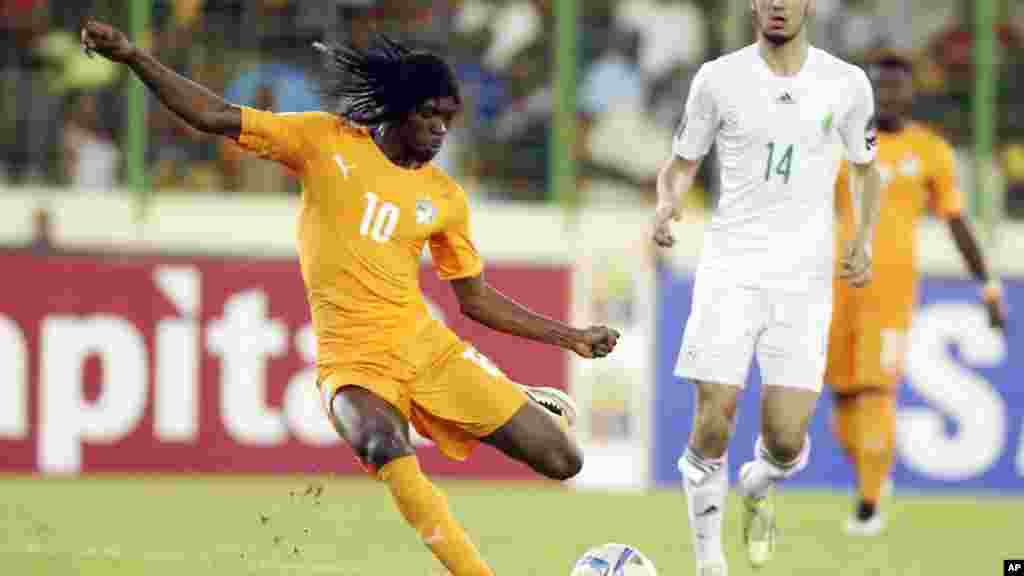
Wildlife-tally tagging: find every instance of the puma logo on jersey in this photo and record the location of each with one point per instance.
(344, 167)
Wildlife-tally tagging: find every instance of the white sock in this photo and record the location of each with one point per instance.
(758, 476)
(706, 483)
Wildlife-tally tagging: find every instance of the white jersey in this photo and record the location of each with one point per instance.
(778, 157)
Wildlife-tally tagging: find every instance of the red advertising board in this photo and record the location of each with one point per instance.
(203, 365)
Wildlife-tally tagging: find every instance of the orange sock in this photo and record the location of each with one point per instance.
(875, 442)
(425, 508)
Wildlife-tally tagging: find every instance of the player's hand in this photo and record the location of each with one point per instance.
(997, 314)
(664, 215)
(855, 266)
(107, 41)
(596, 342)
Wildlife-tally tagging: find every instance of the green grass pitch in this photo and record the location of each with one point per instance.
(227, 526)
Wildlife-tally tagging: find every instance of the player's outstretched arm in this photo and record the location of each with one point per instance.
(992, 293)
(196, 105)
(481, 302)
(866, 193)
(674, 180)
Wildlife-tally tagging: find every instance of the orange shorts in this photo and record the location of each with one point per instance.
(867, 343)
(454, 398)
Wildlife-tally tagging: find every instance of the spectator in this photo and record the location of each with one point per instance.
(618, 140)
(22, 24)
(246, 173)
(294, 90)
(673, 33)
(90, 157)
(1013, 163)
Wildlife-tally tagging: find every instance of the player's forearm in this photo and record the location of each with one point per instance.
(866, 188)
(674, 180)
(969, 248)
(499, 312)
(195, 104)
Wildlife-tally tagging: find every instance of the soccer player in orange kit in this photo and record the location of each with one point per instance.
(868, 336)
(371, 201)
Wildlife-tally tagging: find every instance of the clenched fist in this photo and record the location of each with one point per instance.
(596, 342)
(107, 41)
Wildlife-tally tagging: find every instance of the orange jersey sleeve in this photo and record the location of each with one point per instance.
(286, 138)
(452, 247)
(843, 188)
(944, 194)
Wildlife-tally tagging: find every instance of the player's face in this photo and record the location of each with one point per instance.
(425, 129)
(894, 89)
(779, 21)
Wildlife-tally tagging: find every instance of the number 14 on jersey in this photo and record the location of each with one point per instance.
(781, 167)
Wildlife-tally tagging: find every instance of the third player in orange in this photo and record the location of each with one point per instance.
(868, 337)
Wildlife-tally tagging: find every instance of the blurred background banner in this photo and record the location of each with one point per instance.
(145, 363)
(961, 418)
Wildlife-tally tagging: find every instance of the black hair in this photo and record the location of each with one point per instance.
(384, 82)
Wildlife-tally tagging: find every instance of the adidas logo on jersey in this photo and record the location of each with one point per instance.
(786, 98)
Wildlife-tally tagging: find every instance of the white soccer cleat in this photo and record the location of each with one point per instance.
(871, 527)
(713, 570)
(876, 524)
(758, 526)
(553, 400)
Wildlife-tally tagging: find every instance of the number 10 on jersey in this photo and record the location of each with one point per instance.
(379, 219)
(780, 168)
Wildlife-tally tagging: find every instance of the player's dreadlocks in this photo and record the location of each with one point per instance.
(385, 82)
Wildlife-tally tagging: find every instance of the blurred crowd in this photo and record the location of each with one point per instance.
(63, 113)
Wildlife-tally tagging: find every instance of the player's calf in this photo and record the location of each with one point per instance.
(715, 419)
(536, 439)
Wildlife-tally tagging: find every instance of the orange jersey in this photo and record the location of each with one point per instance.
(918, 172)
(362, 228)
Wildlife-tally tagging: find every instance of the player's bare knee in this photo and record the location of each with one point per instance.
(564, 463)
(784, 444)
(375, 447)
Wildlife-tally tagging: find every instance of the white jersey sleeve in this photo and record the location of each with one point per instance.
(699, 124)
(858, 128)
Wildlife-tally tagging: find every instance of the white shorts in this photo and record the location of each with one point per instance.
(729, 323)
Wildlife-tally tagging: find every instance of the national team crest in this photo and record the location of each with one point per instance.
(425, 211)
(910, 167)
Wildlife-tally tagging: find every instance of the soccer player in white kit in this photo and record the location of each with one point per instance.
(777, 110)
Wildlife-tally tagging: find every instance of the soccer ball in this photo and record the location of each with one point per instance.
(613, 560)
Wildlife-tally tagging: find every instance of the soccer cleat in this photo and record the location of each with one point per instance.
(713, 570)
(871, 527)
(553, 400)
(758, 527)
